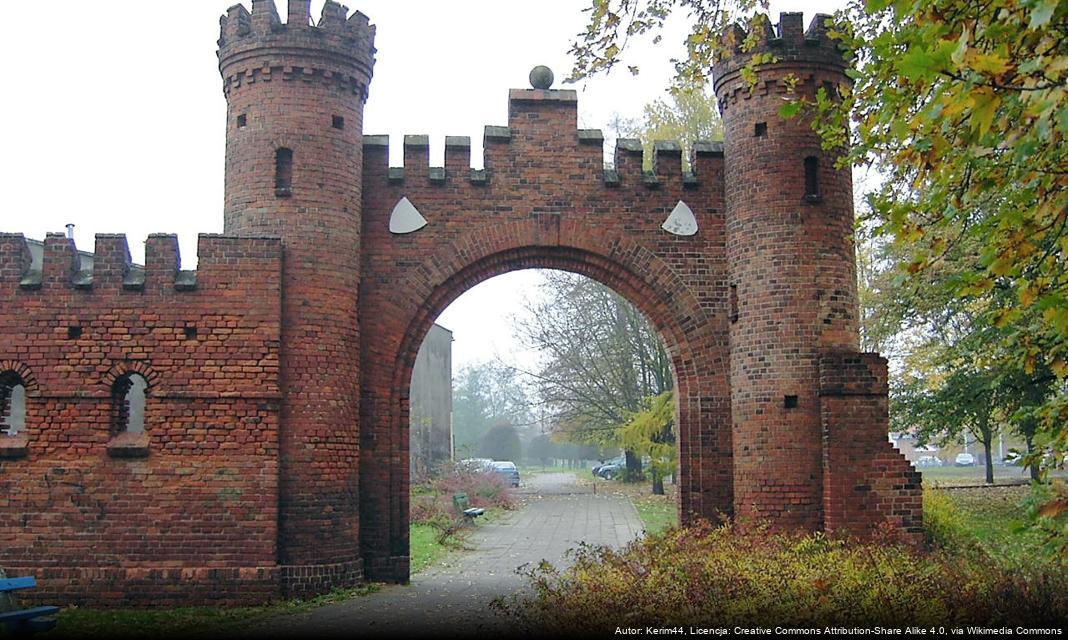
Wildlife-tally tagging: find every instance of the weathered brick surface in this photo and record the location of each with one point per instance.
(792, 263)
(869, 487)
(93, 526)
(791, 260)
(544, 203)
(275, 454)
(302, 88)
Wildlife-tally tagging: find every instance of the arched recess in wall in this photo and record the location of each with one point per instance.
(12, 403)
(812, 178)
(17, 383)
(128, 396)
(283, 172)
(129, 386)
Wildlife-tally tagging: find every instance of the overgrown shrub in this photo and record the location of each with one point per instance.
(431, 503)
(483, 488)
(428, 507)
(704, 575)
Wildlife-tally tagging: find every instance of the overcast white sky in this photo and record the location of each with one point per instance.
(114, 116)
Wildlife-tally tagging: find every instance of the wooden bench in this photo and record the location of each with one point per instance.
(464, 508)
(23, 622)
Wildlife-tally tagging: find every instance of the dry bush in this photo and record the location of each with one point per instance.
(719, 576)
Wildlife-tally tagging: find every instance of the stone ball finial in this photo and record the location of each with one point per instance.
(541, 77)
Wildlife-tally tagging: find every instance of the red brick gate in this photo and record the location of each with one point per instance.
(274, 457)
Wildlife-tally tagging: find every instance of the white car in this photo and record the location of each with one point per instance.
(476, 465)
(964, 460)
(928, 461)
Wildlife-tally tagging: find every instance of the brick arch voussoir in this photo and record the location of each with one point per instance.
(125, 368)
(629, 268)
(29, 380)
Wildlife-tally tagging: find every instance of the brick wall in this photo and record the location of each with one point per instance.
(869, 486)
(198, 497)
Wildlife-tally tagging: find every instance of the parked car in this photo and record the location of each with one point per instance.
(610, 468)
(1012, 458)
(507, 470)
(928, 461)
(476, 465)
(964, 460)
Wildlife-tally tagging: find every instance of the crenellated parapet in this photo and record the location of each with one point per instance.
(629, 153)
(56, 264)
(548, 132)
(788, 47)
(259, 47)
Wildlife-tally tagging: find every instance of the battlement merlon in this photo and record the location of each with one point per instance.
(706, 159)
(336, 44)
(789, 43)
(57, 264)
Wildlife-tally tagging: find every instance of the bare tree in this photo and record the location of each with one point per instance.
(600, 359)
(487, 395)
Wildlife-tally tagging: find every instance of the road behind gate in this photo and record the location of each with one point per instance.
(556, 515)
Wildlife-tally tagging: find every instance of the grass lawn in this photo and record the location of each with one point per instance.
(994, 517)
(425, 549)
(657, 512)
(183, 621)
(950, 475)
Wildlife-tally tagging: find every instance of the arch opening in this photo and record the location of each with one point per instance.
(128, 402)
(12, 403)
(541, 353)
(701, 404)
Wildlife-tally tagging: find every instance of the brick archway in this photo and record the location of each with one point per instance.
(284, 360)
(705, 476)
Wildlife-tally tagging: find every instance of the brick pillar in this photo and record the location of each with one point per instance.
(867, 483)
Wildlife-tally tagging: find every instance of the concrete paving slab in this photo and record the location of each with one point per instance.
(453, 598)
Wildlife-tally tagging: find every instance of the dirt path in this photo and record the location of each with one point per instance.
(453, 599)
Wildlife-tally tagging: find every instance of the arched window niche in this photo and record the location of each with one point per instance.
(13, 440)
(283, 172)
(129, 395)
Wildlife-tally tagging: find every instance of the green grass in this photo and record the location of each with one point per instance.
(425, 548)
(657, 512)
(183, 621)
(950, 475)
(994, 517)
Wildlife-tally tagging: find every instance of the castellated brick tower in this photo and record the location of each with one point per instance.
(295, 95)
(793, 274)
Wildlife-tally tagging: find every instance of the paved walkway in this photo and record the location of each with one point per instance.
(453, 599)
